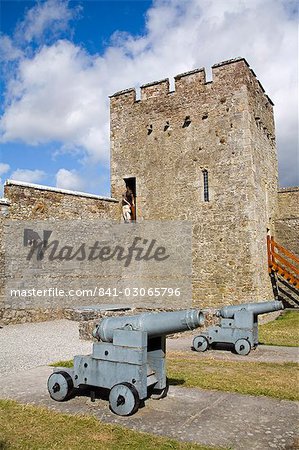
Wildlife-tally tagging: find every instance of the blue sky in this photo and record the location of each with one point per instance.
(61, 60)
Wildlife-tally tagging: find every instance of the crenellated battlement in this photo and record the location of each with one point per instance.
(187, 80)
(237, 68)
(155, 89)
(125, 96)
(230, 61)
(231, 72)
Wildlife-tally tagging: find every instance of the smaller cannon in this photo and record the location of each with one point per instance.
(129, 361)
(238, 326)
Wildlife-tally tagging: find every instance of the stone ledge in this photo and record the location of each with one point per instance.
(4, 201)
(58, 190)
(288, 189)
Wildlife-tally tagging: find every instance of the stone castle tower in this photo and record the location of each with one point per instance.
(205, 153)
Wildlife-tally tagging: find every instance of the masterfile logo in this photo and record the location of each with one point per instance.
(140, 249)
(146, 264)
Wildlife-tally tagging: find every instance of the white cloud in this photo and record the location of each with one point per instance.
(58, 95)
(8, 51)
(4, 168)
(51, 16)
(29, 176)
(69, 179)
(61, 92)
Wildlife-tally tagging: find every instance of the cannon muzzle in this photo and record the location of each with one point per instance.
(155, 324)
(228, 312)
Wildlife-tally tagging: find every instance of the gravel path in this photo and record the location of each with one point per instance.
(29, 345)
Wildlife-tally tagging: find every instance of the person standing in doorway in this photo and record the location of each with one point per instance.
(128, 205)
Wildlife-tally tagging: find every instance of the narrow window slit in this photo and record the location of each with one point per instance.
(205, 185)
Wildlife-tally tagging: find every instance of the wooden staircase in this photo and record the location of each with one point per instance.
(283, 267)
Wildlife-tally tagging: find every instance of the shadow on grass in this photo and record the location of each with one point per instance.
(176, 381)
(4, 445)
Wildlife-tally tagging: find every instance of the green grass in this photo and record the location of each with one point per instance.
(69, 364)
(254, 378)
(282, 331)
(27, 427)
(278, 380)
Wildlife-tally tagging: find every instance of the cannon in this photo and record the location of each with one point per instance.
(238, 326)
(128, 360)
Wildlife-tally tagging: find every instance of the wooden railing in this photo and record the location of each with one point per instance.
(283, 262)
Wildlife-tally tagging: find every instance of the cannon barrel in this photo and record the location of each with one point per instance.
(155, 324)
(228, 312)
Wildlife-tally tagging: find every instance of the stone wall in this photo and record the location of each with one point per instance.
(25, 201)
(30, 202)
(4, 211)
(262, 193)
(167, 139)
(287, 219)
